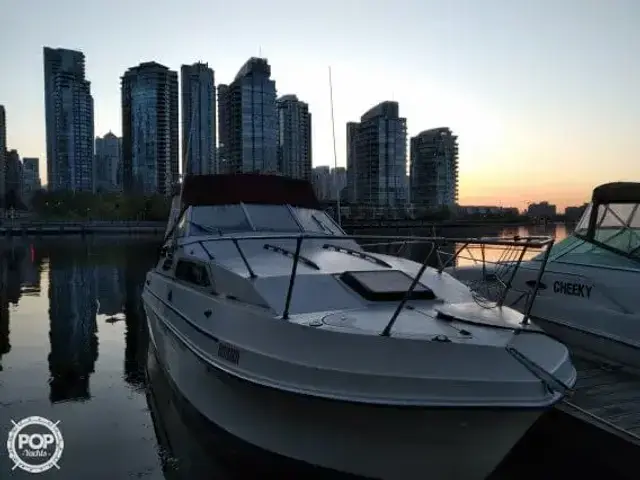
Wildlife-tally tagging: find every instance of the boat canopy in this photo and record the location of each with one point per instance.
(613, 217)
(608, 232)
(251, 188)
(235, 203)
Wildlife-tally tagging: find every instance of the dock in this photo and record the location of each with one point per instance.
(34, 227)
(592, 434)
(606, 396)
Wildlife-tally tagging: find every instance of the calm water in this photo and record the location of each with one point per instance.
(73, 348)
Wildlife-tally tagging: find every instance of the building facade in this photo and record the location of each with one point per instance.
(198, 120)
(3, 152)
(13, 180)
(329, 183)
(30, 178)
(377, 158)
(433, 182)
(150, 129)
(294, 137)
(108, 163)
(248, 120)
(69, 121)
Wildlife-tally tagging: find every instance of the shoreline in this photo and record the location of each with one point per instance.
(74, 227)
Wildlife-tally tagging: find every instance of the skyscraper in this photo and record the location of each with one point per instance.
(198, 120)
(109, 163)
(3, 151)
(30, 178)
(150, 129)
(69, 121)
(294, 137)
(377, 157)
(434, 169)
(249, 120)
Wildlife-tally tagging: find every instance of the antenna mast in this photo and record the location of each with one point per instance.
(335, 153)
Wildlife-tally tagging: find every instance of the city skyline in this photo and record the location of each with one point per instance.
(524, 91)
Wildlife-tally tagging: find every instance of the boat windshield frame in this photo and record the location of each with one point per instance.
(293, 219)
(613, 213)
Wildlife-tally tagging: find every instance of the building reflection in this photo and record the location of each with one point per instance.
(20, 269)
(109, 288)
(73, 329)
(137, 263)
(5, 343)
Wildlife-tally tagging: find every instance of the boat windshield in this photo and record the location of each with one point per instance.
(608, 236)
(237, 218)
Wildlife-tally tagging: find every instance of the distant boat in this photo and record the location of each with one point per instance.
(589, 296)
(284, 332)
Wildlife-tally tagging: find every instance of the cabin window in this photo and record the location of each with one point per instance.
(317, 222)
(221, 218)
(275, 218)
(193, 273)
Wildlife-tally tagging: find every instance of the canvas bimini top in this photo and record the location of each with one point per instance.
(251, 188)
(608, 232)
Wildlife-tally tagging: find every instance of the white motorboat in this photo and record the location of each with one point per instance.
(284, 332)
(588, 297)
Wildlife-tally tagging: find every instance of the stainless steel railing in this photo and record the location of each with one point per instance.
(511, 259)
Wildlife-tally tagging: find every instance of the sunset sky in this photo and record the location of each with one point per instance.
(544, 95)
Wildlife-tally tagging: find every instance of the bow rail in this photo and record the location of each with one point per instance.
(512, 252)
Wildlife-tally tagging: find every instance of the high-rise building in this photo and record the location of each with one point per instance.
(434, 169)
(294, 137)
(13, 180)
(109, 163)
(150, 129)
(3, 151)
(249, 120)
(69, 121)
(377, 157)
(30, 177)
(352, 167)
(198, 120)
(328, 183)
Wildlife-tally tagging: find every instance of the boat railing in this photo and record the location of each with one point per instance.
(512, 252)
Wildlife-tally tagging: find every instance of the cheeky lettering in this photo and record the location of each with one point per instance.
(572, 288)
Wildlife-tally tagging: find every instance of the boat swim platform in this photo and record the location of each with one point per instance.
(606, 396)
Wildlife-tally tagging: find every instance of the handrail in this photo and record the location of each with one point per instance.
(351, 251)
(525, 242)
(289, 253)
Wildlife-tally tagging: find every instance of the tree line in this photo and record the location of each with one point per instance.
(99, 206)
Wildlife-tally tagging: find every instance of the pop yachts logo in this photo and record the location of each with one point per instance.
(35, 444)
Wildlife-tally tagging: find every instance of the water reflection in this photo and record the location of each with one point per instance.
(84, 279)
(136, 334)
(73, 328)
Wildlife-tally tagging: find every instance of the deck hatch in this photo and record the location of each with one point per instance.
(385, 285)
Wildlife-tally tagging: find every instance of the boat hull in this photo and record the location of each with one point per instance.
(595, 317)
(594, 345)
(368, 440)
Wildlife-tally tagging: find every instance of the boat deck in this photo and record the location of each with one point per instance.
(606, 396)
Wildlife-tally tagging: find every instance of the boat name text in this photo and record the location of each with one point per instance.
(574, 289)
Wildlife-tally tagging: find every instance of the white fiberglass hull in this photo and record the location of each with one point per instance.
(373, 441)
(592, 344)
(592, 310)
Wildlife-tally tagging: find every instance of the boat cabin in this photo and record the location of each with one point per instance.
(245, 203)
(608, 234)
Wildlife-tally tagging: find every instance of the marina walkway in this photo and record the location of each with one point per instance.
(606, 396)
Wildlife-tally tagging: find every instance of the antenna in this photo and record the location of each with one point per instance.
(260, 51)
(335, 153)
